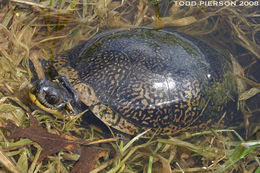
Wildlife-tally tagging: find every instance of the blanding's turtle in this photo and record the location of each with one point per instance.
(139, 78)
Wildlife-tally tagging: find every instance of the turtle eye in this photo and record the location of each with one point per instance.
(52, 99)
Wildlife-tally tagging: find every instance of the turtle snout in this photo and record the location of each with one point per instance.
(53, 97)
(50, 94)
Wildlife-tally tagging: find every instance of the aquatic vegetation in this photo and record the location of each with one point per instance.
(33, 29)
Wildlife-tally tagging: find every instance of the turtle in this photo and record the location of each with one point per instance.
(137, 79)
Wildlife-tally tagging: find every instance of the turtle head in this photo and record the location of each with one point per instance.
(57, 97)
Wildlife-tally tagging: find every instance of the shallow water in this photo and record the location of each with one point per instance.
(33, 33)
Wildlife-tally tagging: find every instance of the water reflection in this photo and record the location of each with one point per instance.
(169, 84)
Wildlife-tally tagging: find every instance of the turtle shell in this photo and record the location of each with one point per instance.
(139, 78)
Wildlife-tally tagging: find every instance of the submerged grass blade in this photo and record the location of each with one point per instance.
(134, 139)
(23, 161)
(219, 131)
(150, 164)
(239, 153)
(205, 152)
(6, 161)
(258, 170)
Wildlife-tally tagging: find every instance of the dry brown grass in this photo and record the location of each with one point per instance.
(32, 30)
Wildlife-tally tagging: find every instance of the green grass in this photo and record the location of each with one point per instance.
(31, 30)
